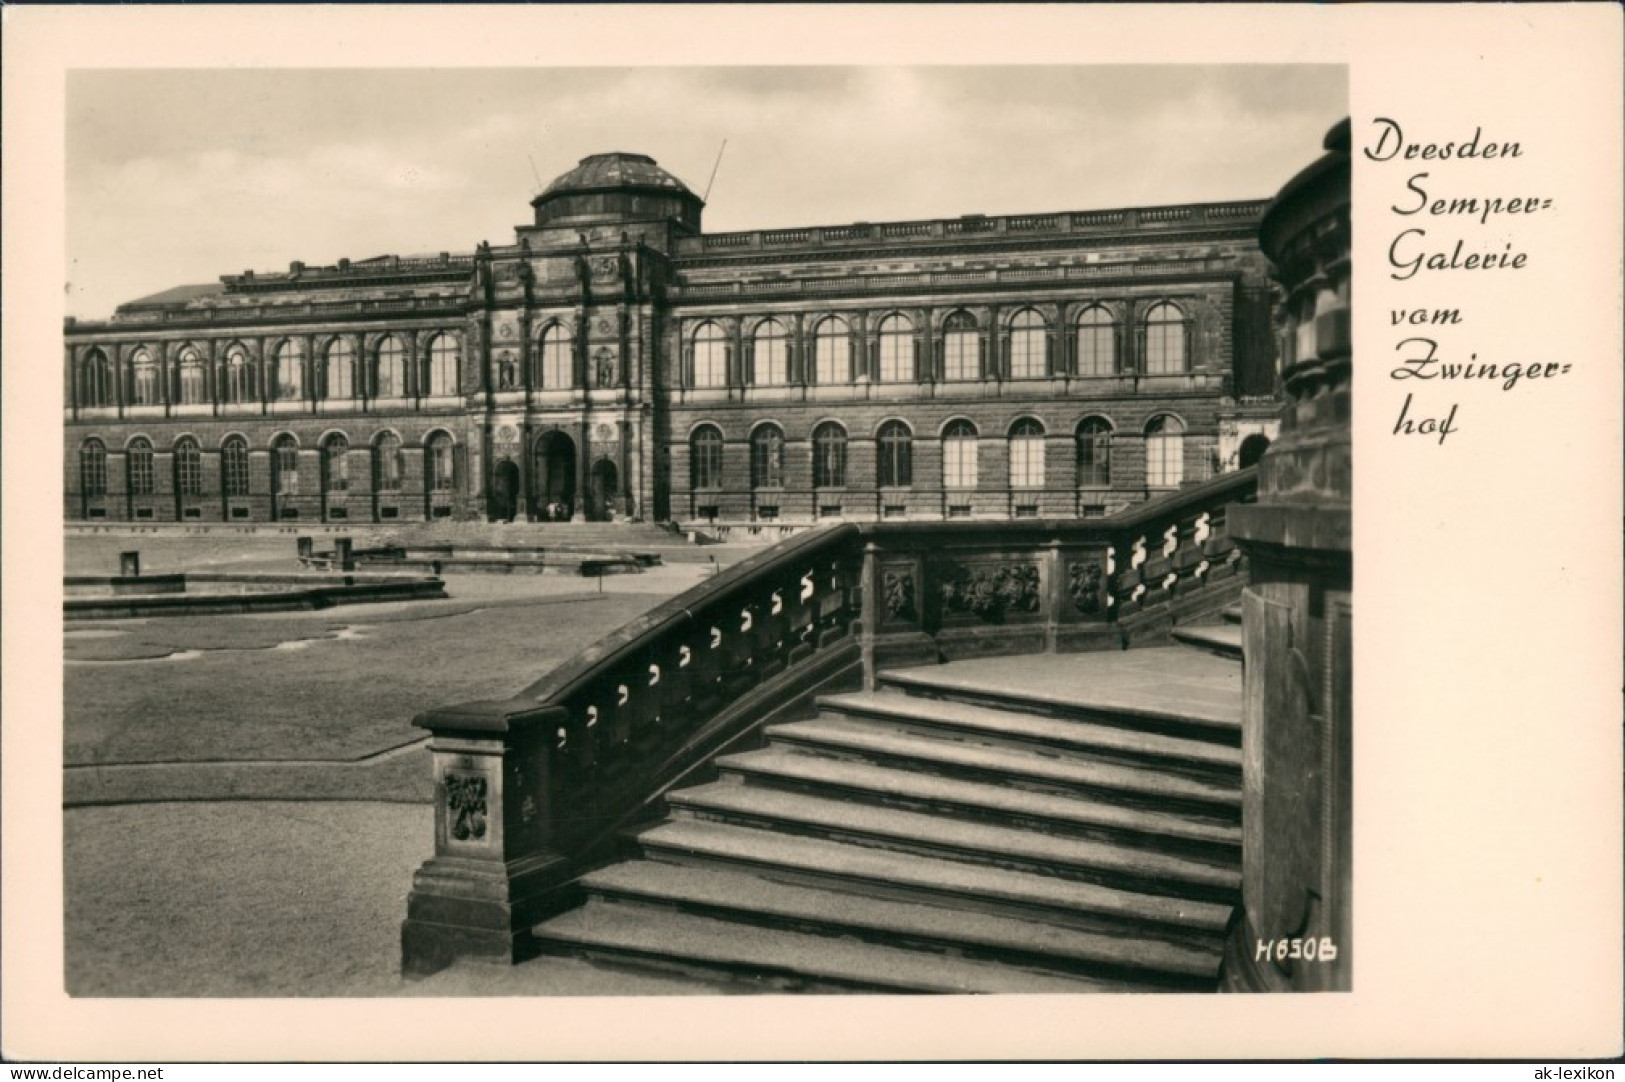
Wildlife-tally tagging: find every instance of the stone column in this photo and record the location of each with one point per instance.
(583, 453)
(1297, 725)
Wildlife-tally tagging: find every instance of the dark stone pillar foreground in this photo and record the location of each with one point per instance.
(493, 875)
(1293, 931)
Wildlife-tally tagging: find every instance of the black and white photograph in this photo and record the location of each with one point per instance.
(851, 595)
(640, 536)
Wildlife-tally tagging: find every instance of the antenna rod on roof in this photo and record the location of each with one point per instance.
(707, 196)
(534, 173)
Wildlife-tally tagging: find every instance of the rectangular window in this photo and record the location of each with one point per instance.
(1027, 462)
(141, 473)
(710, 363)
(1027, 354)
(194, 512)
(834, 358)
(959, 463)
(959, 510)
(1164, 461)
(896, 358)
(961, 357)
(1095, 351)
(287, 471)
(772, 361)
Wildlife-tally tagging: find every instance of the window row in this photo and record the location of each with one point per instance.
(385, 457)
(1164, 439)
(1093, 347)
(334, 375)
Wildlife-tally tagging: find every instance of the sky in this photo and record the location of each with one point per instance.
(177, 177)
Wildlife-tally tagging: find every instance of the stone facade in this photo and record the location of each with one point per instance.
(616, 361)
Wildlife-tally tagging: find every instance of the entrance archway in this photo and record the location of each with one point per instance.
(504, 491)
(1253, 448)
(553, 470)
(605, 489)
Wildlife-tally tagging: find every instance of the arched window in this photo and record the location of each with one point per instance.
(554, 370)
(238, 386)
(285, 466)
(832, 352)
(1097, 343)
(1164, 340)
(335, 464)
(767, 457)
(896, 350)
(96, 380)
(93, 468)
(188, 467)
(829, 456)
(387, 463)
(442, 365)
(389, 371)
(143, 379)
(193, 383)
(1095, 452)
(961, 347)
(290, 371)
(1028, 347)
(771, 355)
(439, 466)
(1026, 454)
(959, 455)
(705, 458)
(710, 356)
(234, 466)
(138, 466)
(1164, 452)
(896, 451)
(339, 370)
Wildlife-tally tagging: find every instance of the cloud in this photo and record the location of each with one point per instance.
(179, 176)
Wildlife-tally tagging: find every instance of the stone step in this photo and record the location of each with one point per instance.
(883, 873)
(1176, 690)
(1004, 804)
(1232, 614)
(876, 743)
(954, 839)
(1221, 639)
(990, 725)
(751, 899)
(785, 960)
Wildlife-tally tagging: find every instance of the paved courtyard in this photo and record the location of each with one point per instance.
(246, 796)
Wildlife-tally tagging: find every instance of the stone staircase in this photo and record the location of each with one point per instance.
(1051, 823)
(1223, 639)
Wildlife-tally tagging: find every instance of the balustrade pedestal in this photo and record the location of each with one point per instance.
(492, 876)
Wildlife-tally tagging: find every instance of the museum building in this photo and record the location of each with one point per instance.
(616, 361)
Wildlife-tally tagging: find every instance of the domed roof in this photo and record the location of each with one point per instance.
(598, 172)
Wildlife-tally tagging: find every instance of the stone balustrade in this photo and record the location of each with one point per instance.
(1151, 218)
(532, 790)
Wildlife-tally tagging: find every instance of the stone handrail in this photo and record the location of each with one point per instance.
(531, 790)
